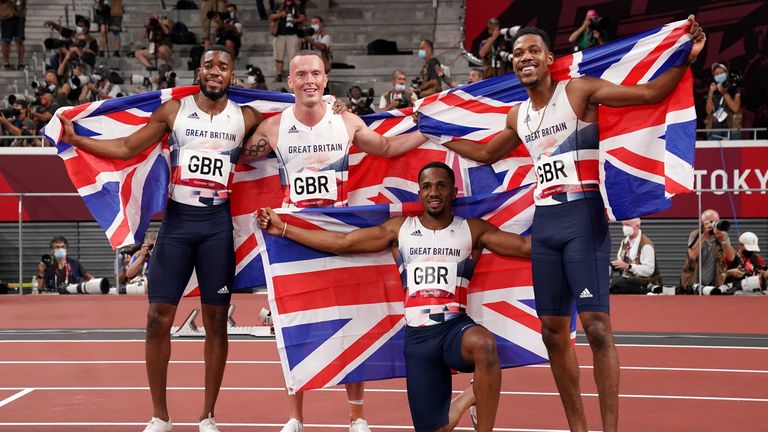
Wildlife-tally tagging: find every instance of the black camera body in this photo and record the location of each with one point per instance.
(416, 82)
(46, 259)
(132, 249)
(403, 103)
(11, 112)
(599, 24)
(306, 31)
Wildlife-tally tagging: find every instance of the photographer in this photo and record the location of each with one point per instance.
(635, 265)
(138, 267)
(316, 39)
(747, 262)
(283, 25)
(360, 103)
(57, 270)
(710, 247)
(491, 49)
(100, 87)
(82, 27)
(207, 6)
(398, 97)
(78, 77)
(229, 30)
(108, 14)
(428, 81)
(157, 31)
(591, 33)
(723, 104)
(16, 119)
(12, 22)
(166, 77)
(45, 109)
(254, 78)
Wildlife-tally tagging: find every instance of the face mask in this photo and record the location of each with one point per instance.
(78, 29)
(399, 87)
(232, 15)
(355, 101)
(422, 54)
(627, 230)
(251, 79)
(60, 253)
(720, 78)
(315, 27)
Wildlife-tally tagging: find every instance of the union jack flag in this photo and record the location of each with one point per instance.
(340, 319)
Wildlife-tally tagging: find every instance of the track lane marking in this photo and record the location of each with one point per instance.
(18, 395)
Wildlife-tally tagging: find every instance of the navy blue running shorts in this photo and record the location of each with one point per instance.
(190, 238)
(430, 354)
(570, 253)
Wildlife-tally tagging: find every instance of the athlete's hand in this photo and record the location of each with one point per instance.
(270, 222)
(698, 37)
(339, 107)
(68, 134)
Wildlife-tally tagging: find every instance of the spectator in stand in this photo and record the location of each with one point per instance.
(166, 77)
(45, 109)
(254, 79)
(77, 74)
(12, 16)
(101, 89)
(320, 41)
(475, 75)
(428, 77)
(283, 24)
(18, 122)
(398, 96)
(747, 262)
(157, 31)
(723, 104)
(493, 63)
(139, 263)
(358, 102)
(712, 248)
(590, 33)
(205, 7)
(108, 14)
(635, 264)
(62, 270)
(229, 31)
(82, 27)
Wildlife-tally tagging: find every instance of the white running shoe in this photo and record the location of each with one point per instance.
(208, 425)
(293, 425)
(473, 415)
(359, 425)
(158, 425)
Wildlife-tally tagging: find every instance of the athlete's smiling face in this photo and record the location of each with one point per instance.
(436, 191)
(215, 74)
(531, 59)
(307, 79)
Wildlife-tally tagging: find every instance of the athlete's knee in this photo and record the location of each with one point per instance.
(484, 351)
(215, 319)
(555, 336)
(599, 334)
(159, 319)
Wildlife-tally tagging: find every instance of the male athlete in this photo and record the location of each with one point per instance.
(206, 132)
(571, 244)
(437, 252)
(312, 144)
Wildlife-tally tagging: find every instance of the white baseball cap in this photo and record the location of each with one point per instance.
(749, 240)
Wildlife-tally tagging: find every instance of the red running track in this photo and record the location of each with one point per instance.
(101, 385)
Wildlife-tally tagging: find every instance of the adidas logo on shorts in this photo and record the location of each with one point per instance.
(224, 290)
(193, 116)
(585, 294)
(293, 129)
(416, 233)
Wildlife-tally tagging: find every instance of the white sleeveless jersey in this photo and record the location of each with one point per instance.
(435, 268)
(314, 161)
(566, 159)
(204, 150)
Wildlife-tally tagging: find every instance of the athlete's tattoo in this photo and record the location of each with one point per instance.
(256, 149)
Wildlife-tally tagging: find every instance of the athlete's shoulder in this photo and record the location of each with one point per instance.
(167, 112)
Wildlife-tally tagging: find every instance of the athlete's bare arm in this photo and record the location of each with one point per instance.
(252, 118)
(363, 240)
(379, 145)
(487, 236)
(503, 143)
(589, 90)
(261, 142)
(160, 122)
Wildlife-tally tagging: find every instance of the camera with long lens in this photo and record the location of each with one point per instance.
(721, 225)
(598, 24)
(509, 33)
(306, 31)
(11, 112)
(76, 81)
(505, 56)
(132, 249)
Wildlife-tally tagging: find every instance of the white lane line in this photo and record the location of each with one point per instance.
(385, 390)
(252, 425)
(277, 362)
(20, 394)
